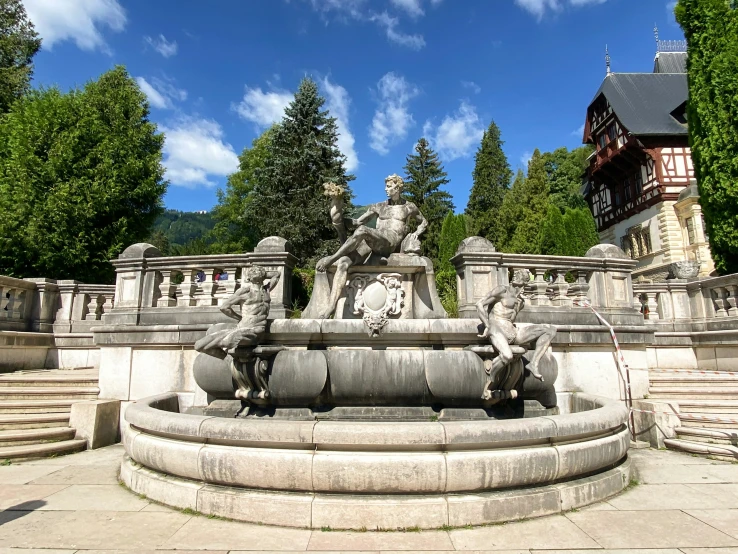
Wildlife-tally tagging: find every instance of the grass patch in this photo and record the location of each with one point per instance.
(6, 462)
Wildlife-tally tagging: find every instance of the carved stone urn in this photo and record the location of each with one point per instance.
(687, 269)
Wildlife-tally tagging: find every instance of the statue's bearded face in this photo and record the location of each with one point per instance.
(392, 189)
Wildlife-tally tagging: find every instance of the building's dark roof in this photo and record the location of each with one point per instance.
(670, 62)
(643, 102)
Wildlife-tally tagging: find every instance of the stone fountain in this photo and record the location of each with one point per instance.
(375, 410)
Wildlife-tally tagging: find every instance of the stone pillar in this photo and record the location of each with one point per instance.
(653, 306)
(275, 254)
(65, 313)
(44, 306)
(478, 271)
(135, 286)
(611, 286)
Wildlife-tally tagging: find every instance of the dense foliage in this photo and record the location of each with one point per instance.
(711, 29)
(492, 176)
(424, 177)
(569, 234)
(453, 231)
(234, 232)
(179, 228)
(288, 198)
(80, 179)
(564, 171)
(19, 42)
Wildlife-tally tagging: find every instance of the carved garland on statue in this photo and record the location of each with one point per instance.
(376, 298)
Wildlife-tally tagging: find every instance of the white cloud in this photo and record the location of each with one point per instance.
(161, 94)
(392, 120)
(526, 158)
(471, 85)
(194, 150)
(162, 45)
(263, 108)
(578, 132)
(390, 24)
(338, 102)
(413, 7)
(77, 20)
(540, 7)
(458, 135)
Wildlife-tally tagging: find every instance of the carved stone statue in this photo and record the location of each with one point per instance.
(336, 194)
(376, 297)
(392, 219)
(504, 303)
(241, 342)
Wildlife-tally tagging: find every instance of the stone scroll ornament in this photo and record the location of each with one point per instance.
(376, 298)
(241, 342)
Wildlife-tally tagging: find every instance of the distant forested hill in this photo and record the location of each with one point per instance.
(183, 227)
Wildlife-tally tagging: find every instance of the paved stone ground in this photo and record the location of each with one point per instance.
(71, 504)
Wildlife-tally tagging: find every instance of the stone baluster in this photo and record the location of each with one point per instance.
(721, 306)
(4, 302)
(560, 289)
(228, 287)
(94, 307)
(732, 300)
(540, 288)
(17, 308)
(168, 290)
(207, 288)
(637, 304)
(108, 303)
(187, 288)
(653, 305)
(579, 291)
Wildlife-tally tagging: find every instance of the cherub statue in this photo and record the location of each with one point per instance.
(392, 228)
(504, 303)
(254, 299)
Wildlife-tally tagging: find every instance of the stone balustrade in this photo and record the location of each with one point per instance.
(159, 290)
(602, 277)
(16, 297)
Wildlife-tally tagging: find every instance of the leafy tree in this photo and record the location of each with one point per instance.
(19, 42)
(161, 241)
(424, 177)
(580, 230)
(453, 231)
(288, 198)
(181, 227)
(80, 179)
(564, 171)
(711, 29)
(233, 231)
(553, 239)
(532, 206)
(492, 176)
(510, 212)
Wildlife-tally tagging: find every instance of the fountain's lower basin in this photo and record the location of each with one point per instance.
(354, 474)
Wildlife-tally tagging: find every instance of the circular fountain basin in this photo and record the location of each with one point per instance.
(376, 475)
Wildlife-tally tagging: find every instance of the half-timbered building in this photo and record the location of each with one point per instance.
(640, 180)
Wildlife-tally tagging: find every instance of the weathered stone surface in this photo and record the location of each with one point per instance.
(247, 431)
(606, 251)
(167, 456)
(483, 433)
(273, 244)
(298, 377)
(140, 250)
(475, 244)
(585, 457)
(378, 434)
(161, 488)
(592, 489)
(502, 506)
(96, 421)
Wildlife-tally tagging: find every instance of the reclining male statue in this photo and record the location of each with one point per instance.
(505, 302)
(392, 218)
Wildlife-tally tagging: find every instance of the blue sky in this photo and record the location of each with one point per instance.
(217, 73)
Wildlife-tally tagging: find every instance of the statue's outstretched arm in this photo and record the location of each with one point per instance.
(422, 222)
(273, 277)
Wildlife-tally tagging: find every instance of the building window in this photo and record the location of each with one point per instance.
(617, 198)
(626, 188)
(611, 132)
(690, 230)
(639, 182)
(637, 241)
(602, 140)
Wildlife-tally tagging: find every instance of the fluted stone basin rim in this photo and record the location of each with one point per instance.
(376, 475)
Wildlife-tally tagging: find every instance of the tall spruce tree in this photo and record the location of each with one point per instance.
(564, 171)
(552, 236)
(510, 212)
(533, 202)
(492, 176)
(581, 231)
(711, 29)
(19, 42)
(453, 231)
(424, 177)
(288, 198)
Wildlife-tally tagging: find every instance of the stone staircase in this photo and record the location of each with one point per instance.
(707, 403)
(34, 411)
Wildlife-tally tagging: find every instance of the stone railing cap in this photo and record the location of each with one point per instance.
(475, 244)
(140, 250)
(606, 251)
(273, 244)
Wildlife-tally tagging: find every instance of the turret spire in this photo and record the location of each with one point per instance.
(607, 59)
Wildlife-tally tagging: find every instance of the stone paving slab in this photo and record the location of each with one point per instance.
(26, 497)
(79, 498)
(722, 520)
(676, 497)
(92, 474)
(414, 542)
(20, 474)
(649, 529)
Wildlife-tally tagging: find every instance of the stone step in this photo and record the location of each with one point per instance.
(718, 407)
(35, 436)
(712, 436)
(43, 450)
(46, 382)
(707, 421)
(36, 406)
(693, 393)
(49, 393)
(33, 421)
(721, 451)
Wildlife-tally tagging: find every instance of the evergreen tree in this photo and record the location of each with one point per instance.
(533, 207)
(565, 171)
(492, 176)
(510, 212)
(19, 42)
(711, 29)
(234, 232)
(453, 231)
(288, 198)
(81, 179)
(553, 239)
(424, 177)
(580, 231)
